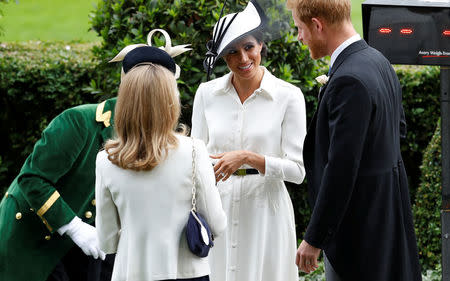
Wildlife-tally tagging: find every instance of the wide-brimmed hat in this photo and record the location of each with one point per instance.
(232, 28)
(136, 54)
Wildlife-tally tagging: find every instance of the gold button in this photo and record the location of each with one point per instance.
(6, 194)
(18, 216)
(93, 202)
(88, 214)
(48, 237)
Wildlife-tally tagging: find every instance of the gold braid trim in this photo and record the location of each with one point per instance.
(46, 224)
(48, 204)
(103, 117)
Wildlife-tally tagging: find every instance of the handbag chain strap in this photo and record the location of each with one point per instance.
(194, 201)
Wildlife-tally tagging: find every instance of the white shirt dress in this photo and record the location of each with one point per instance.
(260, 242)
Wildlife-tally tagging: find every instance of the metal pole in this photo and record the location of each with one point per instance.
(445, 138)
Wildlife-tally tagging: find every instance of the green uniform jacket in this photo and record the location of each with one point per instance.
(56, 183)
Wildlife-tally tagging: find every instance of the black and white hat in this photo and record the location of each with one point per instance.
(136, 54)
(232, 28)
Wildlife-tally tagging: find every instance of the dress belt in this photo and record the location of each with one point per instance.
(244, 172)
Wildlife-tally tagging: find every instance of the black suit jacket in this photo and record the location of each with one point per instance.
(356, 180)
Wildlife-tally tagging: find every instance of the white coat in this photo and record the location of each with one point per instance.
(260, 242)
(141, 216)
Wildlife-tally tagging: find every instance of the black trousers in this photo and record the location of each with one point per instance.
(330, 274)
(76, 266)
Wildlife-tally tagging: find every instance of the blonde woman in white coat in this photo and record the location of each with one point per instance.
(253, 125)
(144, 178)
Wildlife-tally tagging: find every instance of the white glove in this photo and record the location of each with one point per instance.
(85, 236)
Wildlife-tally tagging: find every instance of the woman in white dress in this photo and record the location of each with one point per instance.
(144, 178)
(253, 125)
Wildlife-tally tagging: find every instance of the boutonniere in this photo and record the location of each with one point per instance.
(322, 79)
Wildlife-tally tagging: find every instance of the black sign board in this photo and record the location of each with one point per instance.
(409, 32)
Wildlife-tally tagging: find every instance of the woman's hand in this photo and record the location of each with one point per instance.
(228, 163)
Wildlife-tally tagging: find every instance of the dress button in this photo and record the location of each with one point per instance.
(235, 222)
(88, 214)
(31, 209)
(48, 237)
(18, 216)
(93, 202)
(6, 194)
(234, 245)
(232, 268)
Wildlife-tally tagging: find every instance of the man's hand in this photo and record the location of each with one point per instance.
(307, 257)
(84, 236)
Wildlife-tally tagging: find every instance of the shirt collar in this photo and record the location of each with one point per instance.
(224, 85)
(342, 47)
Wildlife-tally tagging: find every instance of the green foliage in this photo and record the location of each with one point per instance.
(432, 274)
(421, 93)
(319, 274)
(428, 203)
(37, 82)
(3, 171)
(40, 80)
(121, 23)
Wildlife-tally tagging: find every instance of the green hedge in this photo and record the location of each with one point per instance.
(37, 82)
(427, 274)
(421, 95)
(121, 23)
(427, 205)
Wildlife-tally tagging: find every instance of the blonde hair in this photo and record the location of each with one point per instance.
(332, 11)
(146, 117)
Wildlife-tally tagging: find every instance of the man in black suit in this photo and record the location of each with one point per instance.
(357, 182)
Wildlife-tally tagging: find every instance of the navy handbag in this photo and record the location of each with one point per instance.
(198, 234)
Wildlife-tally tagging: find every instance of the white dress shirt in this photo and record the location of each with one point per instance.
(342, 47)
(260, 242)
(141, 215)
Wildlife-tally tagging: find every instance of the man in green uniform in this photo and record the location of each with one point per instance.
(46, 216)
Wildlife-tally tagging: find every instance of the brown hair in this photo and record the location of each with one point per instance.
(331, 11)
(259, 36)
(146, 116)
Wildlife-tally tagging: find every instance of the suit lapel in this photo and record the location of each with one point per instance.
(355, 47)
(313, 120)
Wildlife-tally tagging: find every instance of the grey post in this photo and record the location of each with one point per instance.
(445, 138)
